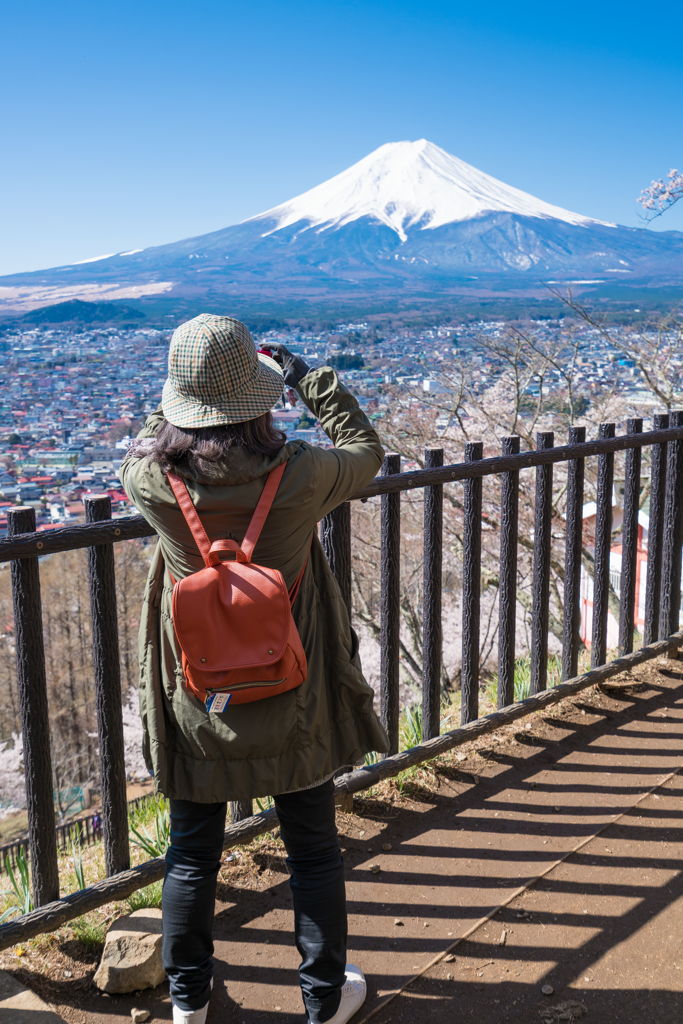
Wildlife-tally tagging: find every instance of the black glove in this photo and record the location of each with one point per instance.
(294, 367)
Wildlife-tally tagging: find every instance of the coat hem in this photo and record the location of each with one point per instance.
(184, 777)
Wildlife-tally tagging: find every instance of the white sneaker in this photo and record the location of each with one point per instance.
(353, 995)
(191, 1016)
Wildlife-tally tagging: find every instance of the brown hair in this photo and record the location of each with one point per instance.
(204, 447)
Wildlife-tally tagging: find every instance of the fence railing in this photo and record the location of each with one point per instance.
(24, 547)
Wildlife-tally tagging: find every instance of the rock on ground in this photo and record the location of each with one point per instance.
(131, 958)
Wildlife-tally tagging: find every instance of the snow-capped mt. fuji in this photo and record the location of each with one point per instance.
(409, 220)
(406, 185)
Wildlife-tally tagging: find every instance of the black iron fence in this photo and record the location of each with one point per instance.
(24, 547)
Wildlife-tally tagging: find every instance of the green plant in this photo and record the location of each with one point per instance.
(146, 811)
(89, 933)
(265, 804)
(371, 758)
(410, 728)
(400, 781)
(75, 837)
(21, 887)
(523, 678)
(150, 896)
(410, 725)
(154, 845)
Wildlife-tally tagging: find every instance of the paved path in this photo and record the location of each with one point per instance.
(588, 801)
(18, 1005)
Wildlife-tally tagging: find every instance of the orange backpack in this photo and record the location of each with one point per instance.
(233, 620)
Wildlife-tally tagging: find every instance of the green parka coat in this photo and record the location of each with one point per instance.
(295, 739)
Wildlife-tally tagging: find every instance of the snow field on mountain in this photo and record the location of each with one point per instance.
(409, 184)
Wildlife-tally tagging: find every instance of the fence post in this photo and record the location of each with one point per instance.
(654, 533)
(571, 624)
(35, 727)
(543, 514)
(240, 809)
(105, 647)
(670, 599)
(629, 541)
(335, 536)
(471, 589)
(507, 594)
(390, 600)
(432, 638)
(603, 543)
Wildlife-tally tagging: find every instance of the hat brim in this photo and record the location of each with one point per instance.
(262, 395)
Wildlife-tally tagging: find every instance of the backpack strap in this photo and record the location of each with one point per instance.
(294, 589)
(253, 533)
(262, 509)
(192, 519)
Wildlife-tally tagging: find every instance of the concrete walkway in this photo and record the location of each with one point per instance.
(18, 1005)
(601, 934)
(561, 867)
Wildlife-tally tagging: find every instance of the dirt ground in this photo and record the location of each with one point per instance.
(547, 855)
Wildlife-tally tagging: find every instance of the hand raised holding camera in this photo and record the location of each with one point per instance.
(294, 367)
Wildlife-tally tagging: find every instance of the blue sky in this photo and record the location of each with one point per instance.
(132, 124)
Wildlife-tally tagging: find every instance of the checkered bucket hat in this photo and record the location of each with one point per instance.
(216, 376)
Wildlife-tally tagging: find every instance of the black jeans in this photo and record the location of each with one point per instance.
(316, 868)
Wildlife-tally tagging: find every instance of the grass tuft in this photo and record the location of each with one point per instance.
(150, 896)
(523, 678)
(89, 933)
(154, 812)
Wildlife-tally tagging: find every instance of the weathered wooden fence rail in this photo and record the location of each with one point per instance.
(24, 547)
(118, 887)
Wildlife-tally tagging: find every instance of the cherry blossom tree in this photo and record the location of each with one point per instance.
(519, 380)
(661, 195)
(12, 781)
(136, 769)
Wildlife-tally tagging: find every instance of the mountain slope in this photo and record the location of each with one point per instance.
(408, 218)
(408, 185)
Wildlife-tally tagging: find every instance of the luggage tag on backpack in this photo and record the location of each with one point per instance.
(217, 702)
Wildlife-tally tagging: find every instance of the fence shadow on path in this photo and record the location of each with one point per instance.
(603, 930)
(458, 854)
(451, 886)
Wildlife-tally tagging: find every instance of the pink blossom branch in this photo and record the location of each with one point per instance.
(662, 194)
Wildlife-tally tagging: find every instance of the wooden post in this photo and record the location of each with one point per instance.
(105, 646)
(35, 716)
(543, 512)
(335, 537)
(390, 599)
(507, 594)
(670, 599)
(432, 641)
(655, 534)
(629, 542)
(240, 809)
(571, 624)
(603, 544)
(471, 589)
